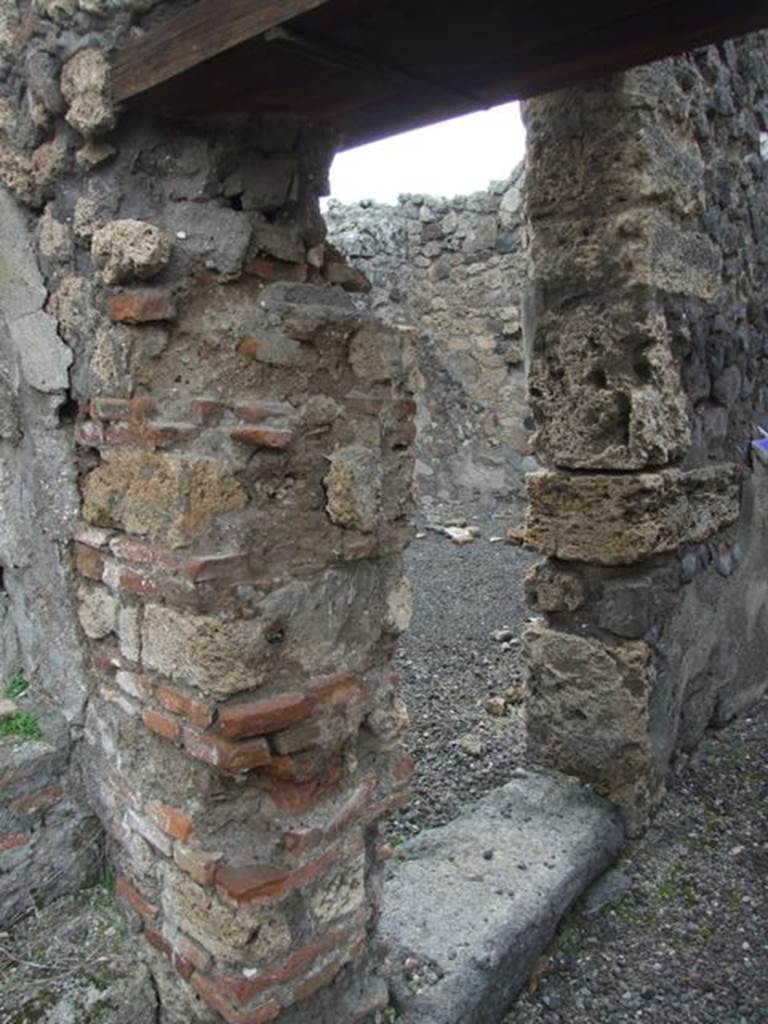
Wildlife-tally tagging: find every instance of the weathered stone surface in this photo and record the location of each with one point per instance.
(215, 237)
(97, 611)
(589, 715)
(85, 87)
(124, 249)
(201, 651)
(605, 389)
(523, 854)
(162, 497)
(353, 488)
(551, 588)
(242, 933)
(621, 519)
(44, 359)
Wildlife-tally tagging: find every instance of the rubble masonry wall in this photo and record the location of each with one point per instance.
(206, 453)
(454, 269)
(207, 449)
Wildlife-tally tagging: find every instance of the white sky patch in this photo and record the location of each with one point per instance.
(452, 158)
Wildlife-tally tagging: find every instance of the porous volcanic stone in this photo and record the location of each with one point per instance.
(469, 906)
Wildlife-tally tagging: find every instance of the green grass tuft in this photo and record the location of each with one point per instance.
(16, 686)
(22, 725)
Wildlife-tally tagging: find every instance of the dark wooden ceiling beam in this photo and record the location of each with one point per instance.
(195, 35)
(377, 68)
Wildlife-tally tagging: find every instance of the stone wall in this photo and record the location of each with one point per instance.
(646, 326)
(206, 457)
(206, 450)
(454, 269)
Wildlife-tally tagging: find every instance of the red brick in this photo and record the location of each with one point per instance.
(162, 724)
(299, 797)
(200, 865)
(220, 569)
(154, 938)
(306, 766)
(182, 964)
(198, 712)
(248, 882)
(276, 270)
(141, 306)
(192, 953)
(353, 810)
(256, 412)
(127, 890)
(263, 437)
(305, 736)
(207, 411)
(127, 706)
(259, 716)
(134, 551)
(301, 840)
(13, 841)
(34, 768)
(296, 797)
(226, 755)
(89, 562)
(210, 993)
(252, 348)
(318, 980)
(171, 820)
(337, 690)
(150, 436)
(137, 583)
(92, 536)
(39, 801)
(242, 990)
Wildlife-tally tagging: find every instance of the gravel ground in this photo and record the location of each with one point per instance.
(74, 962)
(685, 937)
(451, 665)
(677, 933)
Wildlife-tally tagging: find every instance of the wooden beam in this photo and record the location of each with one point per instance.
(195, 35)
(670, 28)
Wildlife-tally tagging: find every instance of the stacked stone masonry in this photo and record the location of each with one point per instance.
(647, 211)
(454, 270)
(216, 451)
(206, 451)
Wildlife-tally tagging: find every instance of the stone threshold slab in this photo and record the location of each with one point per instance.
(469, 906)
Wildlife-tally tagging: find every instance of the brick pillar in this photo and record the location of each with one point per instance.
(242, 588)
(646, 335)
(246, 496)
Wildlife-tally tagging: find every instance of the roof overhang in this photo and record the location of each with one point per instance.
(374, 69)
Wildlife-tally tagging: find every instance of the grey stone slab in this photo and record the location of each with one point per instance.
(470, 906)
